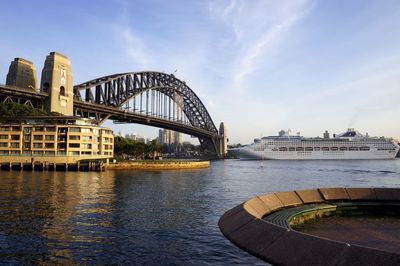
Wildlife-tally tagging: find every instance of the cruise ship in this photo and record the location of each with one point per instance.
(348, 145)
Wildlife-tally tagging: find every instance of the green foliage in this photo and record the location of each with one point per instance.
(123, 146)
(15, 110)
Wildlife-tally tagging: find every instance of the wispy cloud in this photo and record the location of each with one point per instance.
(257, 30)
(133, 45)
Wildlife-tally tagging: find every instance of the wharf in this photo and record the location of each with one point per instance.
(53, 166)
(158, 165)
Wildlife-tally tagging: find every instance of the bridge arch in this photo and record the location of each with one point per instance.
(107, 98)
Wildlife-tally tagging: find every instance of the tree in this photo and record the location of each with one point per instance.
(15, 109)
(153, 148)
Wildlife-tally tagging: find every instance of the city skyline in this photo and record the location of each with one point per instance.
(309, 66)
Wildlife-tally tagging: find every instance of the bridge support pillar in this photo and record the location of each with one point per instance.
(57, 81)
(22, 74)
(222, 141)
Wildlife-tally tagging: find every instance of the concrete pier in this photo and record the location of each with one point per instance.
(40, 166)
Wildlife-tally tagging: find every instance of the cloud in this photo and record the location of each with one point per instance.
(134, 46)
(257, 30)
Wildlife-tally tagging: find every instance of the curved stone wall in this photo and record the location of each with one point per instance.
(245, 227)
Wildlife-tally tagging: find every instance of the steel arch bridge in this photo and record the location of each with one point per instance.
(150, 98)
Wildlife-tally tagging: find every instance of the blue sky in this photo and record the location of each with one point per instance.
(259, 66)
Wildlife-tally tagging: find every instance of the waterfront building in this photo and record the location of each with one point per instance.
(59, 138)
(54, 140)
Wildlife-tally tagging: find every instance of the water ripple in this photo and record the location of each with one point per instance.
(134, 217)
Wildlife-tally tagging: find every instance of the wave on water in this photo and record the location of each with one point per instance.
(358, 171)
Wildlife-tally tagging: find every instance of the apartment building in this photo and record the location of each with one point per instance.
(54, 140)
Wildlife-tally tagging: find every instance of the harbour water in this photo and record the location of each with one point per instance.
(153, 217)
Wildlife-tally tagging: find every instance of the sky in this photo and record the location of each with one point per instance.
(258, 66)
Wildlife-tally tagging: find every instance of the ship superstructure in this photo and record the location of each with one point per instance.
(348, 145)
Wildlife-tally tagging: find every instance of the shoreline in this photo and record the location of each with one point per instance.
(158, 165)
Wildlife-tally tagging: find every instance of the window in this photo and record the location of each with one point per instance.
(74, 145)
(62, 91)
(38, 137)
(14, 145)
(46, 87)
(87, 138)
(61, 146)
(74, 129)
(49, 137)
(86, 130)
(62, 130)
(14, 137)
(86, 146)
(49, 145)
(37, 145)
(3, 136)
(74, 137)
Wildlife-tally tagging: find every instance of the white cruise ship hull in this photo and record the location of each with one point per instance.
(315, 155)
(350, 145)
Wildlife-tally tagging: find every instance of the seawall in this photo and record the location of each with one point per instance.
(158, 165)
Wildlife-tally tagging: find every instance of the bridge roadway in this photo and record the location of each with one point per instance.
(123, 116)
(206, 137)
(20, 93)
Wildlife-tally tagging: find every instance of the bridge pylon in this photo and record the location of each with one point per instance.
(57, 81)
(223, 140)
(22, 74)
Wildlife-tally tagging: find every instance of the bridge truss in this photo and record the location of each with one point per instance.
(149, 98)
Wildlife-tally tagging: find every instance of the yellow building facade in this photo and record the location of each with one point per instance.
(53, 140)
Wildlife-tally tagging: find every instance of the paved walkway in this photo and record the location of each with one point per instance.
(375, 232)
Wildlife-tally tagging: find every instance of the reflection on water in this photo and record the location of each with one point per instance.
(43, 213)
(152, 217)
